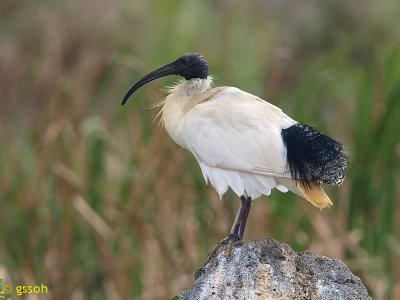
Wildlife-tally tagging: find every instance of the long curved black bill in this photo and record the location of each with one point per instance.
(169, 69)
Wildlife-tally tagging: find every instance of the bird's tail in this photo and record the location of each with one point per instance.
(314, 157)
(314, 194)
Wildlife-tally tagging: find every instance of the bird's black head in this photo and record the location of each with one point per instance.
(189, 66)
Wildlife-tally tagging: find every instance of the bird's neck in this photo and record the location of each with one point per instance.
(192, 87)
(181, 99)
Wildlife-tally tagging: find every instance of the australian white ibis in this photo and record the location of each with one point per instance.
(243, 142)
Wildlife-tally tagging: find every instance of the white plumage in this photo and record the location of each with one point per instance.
(235, 136)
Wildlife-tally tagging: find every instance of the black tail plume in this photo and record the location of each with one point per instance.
(314, 157)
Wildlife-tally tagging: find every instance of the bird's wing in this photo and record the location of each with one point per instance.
(235, 130)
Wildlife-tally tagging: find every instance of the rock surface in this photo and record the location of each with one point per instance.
(267, 269)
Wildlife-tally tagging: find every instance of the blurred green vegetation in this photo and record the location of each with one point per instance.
(96, 200)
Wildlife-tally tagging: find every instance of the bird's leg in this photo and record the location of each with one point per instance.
(246, 205)
(237, 230)
(239, 225)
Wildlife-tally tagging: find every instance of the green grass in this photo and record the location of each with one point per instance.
(96, 200)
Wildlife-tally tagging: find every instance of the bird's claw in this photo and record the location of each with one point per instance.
(229, 241)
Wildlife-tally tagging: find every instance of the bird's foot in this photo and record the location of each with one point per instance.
(229, 241)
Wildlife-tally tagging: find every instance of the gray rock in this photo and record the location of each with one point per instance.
(267, 269)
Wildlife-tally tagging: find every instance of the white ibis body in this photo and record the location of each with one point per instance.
(243, 142)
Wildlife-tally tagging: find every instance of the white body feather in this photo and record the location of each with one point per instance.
(235, 137)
